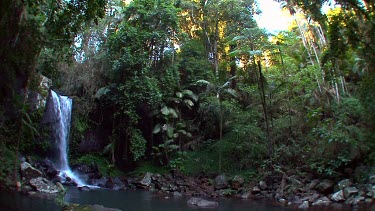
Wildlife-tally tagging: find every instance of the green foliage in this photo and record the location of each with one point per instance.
(105, 167)
(137, 144)
(193, 65)
(367, 97)
(7, 161)
(339, 139)
(148, 166)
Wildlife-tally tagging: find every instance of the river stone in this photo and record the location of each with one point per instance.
(177, 194)
(84, 188)
(246, 195)
(30, 172)
(146, 180)
(349, 191)
(193, 201)
(221, 182)
(255, 190)
(313, 184)
(263, 185)
(323, 201)
(344, 184)
(202, 203)
(110, 183)
(207, 204)
(338, 196)
(325, 186)
(119, 184)
(304, 205)
(43, 185)
(354, 200)
(237, 182)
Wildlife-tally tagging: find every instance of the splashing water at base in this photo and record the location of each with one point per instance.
(62, 106)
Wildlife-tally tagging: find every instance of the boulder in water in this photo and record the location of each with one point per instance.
(43, 185)
(84, 188)
(29, 172)
(202, 203)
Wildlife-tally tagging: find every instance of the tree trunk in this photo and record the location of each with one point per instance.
(265, 113)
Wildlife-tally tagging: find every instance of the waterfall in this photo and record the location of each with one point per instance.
(62, 108)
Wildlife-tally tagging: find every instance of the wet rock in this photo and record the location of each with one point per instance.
(349, 191)
(207, 204)
(263, 185)
(338, 196)
(310, 197)
(29, 172)
(295, 182)
(323, 201)
(177, 194)
(49, 169)
(282, 200)
(325, 186)
(119, 184)
(60, 187)
(255, 190)
(354, 200)
(246, 195)
(146, 180)
(110, 183)
(304, 205)
(344, 184)
(43, 185)
(237, 182)
(221, 182)
(202, 203)
(83, 168)
(313, 184)
(100, 182)
(84, 188)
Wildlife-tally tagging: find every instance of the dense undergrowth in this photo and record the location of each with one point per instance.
(198, 88)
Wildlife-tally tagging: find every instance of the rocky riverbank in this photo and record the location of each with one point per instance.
(291, 191)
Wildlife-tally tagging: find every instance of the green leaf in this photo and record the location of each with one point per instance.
(179, 94)
(188, 102)
(182, 132)
(173, 113)
(165, 111)
(157, 129)
(169, 130)
(203, 82)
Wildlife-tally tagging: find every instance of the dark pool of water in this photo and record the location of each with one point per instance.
(149, 201)
(137, 201)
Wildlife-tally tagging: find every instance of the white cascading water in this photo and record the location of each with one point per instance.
(62, 106)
